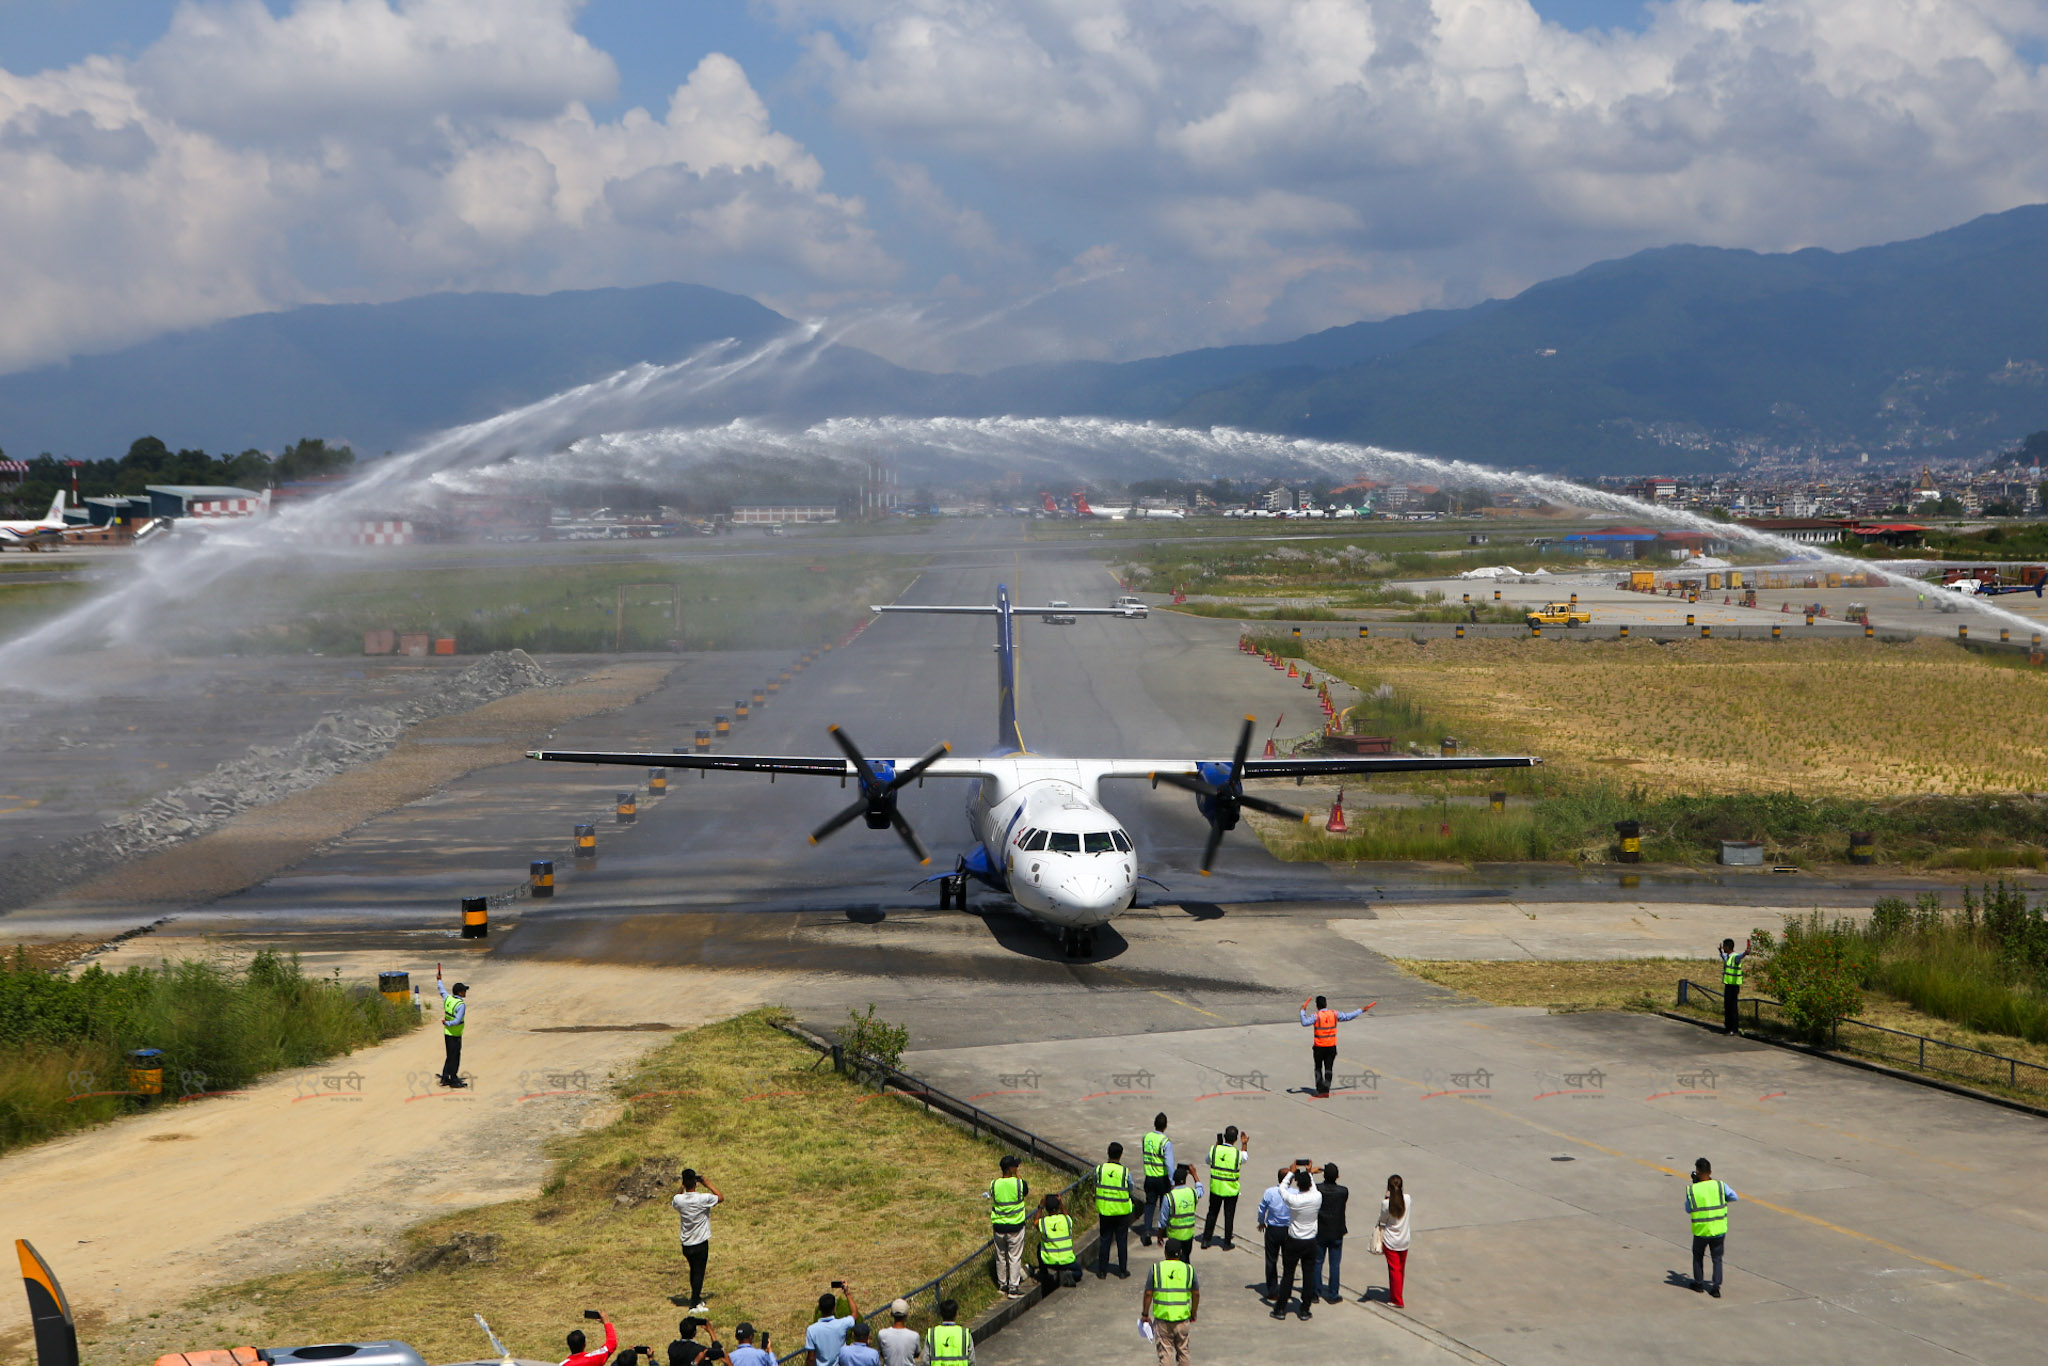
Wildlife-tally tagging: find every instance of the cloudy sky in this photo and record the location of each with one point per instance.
(972, 182)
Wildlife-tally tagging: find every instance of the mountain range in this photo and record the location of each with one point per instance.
(1670, 360)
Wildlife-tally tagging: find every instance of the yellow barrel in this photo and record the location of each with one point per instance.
(1809, 618)
(586, 841)
(476, 918)
(1705, 632)
(1630, 834)
(146, 1071)
(1862, 847)
(1962, 633)
(773, 686)
(1535, 630)
(2004, 634)
(1575, 599)
(1467, 597)
(1296, 630)
(1460, 633)
(1689, 619)
(760, 698)
(1868, 630)
(1624, 631)
(1364, 632)
(1448, 748)
(825, 649)
(1777, 633)
(540, 879)
(1498, 801)
(657, 780)
(739, 709)
(395, 987)
(722, 724)
(1496, 595)
(703, 741)
(628, 808)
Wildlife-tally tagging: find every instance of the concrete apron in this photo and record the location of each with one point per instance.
(1547, 1158)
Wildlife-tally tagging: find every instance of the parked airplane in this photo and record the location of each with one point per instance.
(1119, 514)
(1041, 833)
(32, 534)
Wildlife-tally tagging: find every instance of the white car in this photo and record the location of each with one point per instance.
(1131, 607)
(1057, 613)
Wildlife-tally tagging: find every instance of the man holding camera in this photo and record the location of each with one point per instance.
(594, 1356)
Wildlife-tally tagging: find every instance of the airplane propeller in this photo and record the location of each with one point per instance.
(877, 802)
(1223, 798)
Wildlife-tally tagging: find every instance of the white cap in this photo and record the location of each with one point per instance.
(900, 1308)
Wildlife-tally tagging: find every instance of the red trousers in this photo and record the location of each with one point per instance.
(1397, 1275)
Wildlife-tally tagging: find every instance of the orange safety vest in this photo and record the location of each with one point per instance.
(1326, 1029)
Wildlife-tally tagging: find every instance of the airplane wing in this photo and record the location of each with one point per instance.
(1016, 609)
(809, 766)
(1313, 768)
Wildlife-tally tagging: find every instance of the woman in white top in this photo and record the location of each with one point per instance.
(1393, 1239)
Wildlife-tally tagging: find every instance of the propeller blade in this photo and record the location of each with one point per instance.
(1270, 808)
(868, 781)
(859, 808)
(1244, 746)
(1182, 780)
(909, 836)
(1209, 849)
(916, 770)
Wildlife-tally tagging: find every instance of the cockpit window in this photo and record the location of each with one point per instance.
(1066, 843)
(1123, 841)
(1034, 839)
(1098, 842)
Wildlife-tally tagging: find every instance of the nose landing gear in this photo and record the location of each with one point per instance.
(953, 892)
(1076, 943)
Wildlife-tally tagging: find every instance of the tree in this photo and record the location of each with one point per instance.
(1817, 970)
(310, 458)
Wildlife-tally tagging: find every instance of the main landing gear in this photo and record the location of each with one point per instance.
(953, 892)
(1078, 943)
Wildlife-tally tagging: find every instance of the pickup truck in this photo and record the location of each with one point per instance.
(1559, 614)
(1131, 606)
(1057, 613)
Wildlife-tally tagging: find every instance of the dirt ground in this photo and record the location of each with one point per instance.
(228, 1180)
(266, 841)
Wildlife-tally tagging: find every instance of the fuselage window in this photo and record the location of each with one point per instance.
(1123, 841)
(1066, 843)
(1098, 842)
(1034, 839)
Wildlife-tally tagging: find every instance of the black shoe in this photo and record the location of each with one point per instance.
(1698, 1286)
(1715, 1291)
(1306, 1316)
(1229, 1246)
(1279, 1313)
(1333, 1299)
(1101, 1275)
(1123, 1273)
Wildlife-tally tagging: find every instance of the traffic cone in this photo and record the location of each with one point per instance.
(1308, 680)
(1271, 752)
(1335, 825)
(1292, 672)
(1784, 607)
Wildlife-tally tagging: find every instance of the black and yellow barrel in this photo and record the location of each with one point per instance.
(395, 987)
(146, 1071)
(1448, 747)
(628, 807)
(476, 918)
(1624, 631)
(1575, 599)
(540, 879)
(1295, 631)
(1364, 632)
(1459, 633)
(1498, 801)
(774, 685)
(1777, 633)
(1869, 631)
(2004, 634)
(739, 709)
(1862, 847)
(586, 841)
(1630, 833)
(1466, 597)
(760, 697)
(721, 724)
(703, 741)
(1496, 595)
(657, 780)
(1962, 633)
(1706, 632)
(1535, 628)
(1809, 618)
(1689, 619)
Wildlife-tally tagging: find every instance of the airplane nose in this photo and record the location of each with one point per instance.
(1091, 892)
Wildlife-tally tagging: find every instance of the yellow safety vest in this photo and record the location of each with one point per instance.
(945, 1342)
(1006, 1200)
(448, 1024)
(1224, 1161)
(1154, 1145)
(1112, 1189)
(1731, 971)
(1055, 1240)
(1180, 1213)
(1173, 1293)
(1709, 1209)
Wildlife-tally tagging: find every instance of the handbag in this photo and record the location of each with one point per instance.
(1378, 1246)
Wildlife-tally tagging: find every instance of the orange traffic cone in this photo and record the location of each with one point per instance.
(1292, 672)
(1335, 825)
(1271, 752)
(1308, 680)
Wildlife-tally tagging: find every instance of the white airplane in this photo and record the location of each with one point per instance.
(34, 534)
(1081, 508)
(1042, 835)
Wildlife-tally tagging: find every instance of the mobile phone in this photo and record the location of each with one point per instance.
(1303, 1163)
(594, 1314)
(839, 1285)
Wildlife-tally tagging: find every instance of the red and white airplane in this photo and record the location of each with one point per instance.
(35, 535)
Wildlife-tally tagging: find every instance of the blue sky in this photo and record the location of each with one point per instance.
(973, 182)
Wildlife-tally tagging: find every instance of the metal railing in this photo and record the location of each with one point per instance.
(972, 1278)
(1881, 1043)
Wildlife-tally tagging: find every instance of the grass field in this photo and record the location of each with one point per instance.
(822, 1180)
(1824, 718)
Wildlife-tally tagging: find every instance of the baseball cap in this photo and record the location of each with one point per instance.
(899, 1309)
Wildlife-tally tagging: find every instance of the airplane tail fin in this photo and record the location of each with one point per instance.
(1007, 734)
(1081, 505)
(1050, 506)
(56, 513)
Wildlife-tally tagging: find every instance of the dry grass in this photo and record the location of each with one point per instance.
(821, 1182)
(1564, 987)
(1826, 718)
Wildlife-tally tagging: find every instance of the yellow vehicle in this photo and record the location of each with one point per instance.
(1559, 614)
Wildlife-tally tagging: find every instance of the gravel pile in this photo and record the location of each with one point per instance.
(339, 740)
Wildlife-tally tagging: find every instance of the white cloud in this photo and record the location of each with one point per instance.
(374, 149)
(1390, 148)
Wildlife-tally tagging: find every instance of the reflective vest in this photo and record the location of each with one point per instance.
(449, 1009)
(1055, 1240)
(1006, 1200)
(1112, 1189)
(1709, 1209)
(1731, 971)
(1180, 1213)
(1173, 1293)
(945, 1342)
(1154, 1145)
(1326, 1029)
(1224, 1161)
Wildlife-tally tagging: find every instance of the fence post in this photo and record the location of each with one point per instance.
(1923, 1052)
(1682, 985)
(838, 1058)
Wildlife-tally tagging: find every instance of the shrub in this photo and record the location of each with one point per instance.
(1817, 971)
(877, 1040)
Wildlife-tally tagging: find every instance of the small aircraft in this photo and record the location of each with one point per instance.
(34, 535)
(1082, 509)
(1041, 833)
